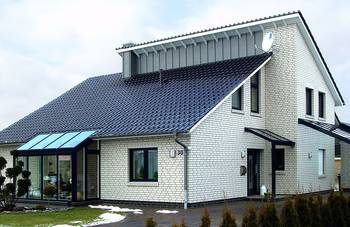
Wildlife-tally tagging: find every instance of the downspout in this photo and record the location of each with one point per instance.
(185, 169)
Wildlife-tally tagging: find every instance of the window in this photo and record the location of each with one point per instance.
(254, 93)
(280, 159)
(309, 101)
(237, 100)
(321, 104)
(321, 161)
(144, 164)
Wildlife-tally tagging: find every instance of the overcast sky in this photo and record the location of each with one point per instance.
(47, 47)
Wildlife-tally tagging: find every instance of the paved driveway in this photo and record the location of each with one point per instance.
(192, 216)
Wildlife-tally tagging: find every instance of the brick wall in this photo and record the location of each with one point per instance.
(115, 183)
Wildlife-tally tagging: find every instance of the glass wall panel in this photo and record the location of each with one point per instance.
(92, 176)
(80, 175)
(138, 165)
(24, 160)
(50, 173)
(34, 166)
(65, 177)
(152, 165)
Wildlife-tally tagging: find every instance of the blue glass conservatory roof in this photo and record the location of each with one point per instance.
(67, 140)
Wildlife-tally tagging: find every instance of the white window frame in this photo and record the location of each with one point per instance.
(321, 162)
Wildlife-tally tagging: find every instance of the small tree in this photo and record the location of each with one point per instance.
(268, 216)
(250, 219)
(315, 215)
(228, 220)
(205, 219)
(289, 217)
(150, 222)
(49, 192)
(303, 211)
(8, 195)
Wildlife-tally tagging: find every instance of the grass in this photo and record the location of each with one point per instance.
(83, 214)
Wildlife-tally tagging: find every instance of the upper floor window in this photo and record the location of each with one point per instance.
(309, 101)
(254, 93)
(237, 99)
(321, 104)
(144, 164)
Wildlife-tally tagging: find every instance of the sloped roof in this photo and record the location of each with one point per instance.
(141, 105)
(341, 131)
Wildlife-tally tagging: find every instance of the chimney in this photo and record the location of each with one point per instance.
(129, 62)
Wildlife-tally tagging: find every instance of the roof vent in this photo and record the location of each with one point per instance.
(129, 44)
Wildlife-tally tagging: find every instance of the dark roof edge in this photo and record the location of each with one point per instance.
(321, 56)
(320, 129)
(111, 137)
(209, 29)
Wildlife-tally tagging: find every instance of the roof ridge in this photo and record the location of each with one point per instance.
(209, 29)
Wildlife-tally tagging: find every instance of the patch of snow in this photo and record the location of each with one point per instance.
(64, 225)
(117, 209)
(167, 211)
(106, 218)
(76, 222)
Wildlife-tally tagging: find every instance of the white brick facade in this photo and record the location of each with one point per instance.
(115, 183)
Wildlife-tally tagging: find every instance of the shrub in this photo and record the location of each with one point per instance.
(205, 219)
(228, 220)
(40, 207)
(326, 215)
(183, 223)
(250, 219)
(289, 216)
(49, 191)
(150, 222)
(8, 195)
(338, 209)
(303, 211)
(268, 216)
(315, 215)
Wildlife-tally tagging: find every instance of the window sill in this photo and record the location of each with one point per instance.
(237, 111)
(142, 184)
(279, 173)
(322, 176)
(309, 116)
(255, 114)
(321, 119)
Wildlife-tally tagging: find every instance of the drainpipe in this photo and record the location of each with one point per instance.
(185, 169)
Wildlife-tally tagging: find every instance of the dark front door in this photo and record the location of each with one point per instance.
(253, 172)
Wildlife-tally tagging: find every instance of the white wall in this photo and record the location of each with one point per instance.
(115, 183)
(310, 140)
(216, 146)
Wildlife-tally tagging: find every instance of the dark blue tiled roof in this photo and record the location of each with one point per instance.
(140, 105)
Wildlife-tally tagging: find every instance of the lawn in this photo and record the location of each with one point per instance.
(83, 214)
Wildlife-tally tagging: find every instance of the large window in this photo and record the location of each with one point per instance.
(254, 93)
(50, 173)
(237, 99)
(34, 166)
(321, 104)
(309, 101)
(144, 164)
(321, 161)
(280, 159)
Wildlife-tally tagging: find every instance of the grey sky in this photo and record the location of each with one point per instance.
(47, 47)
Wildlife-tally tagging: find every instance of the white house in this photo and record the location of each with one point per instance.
(194, 118)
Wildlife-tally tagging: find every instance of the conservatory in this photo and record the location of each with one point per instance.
(68, 161)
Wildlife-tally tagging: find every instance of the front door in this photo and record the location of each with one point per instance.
(253, 172)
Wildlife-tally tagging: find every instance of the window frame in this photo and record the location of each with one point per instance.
(321, 105)
(240, 92)
(279, 151)
(146, 164)
(257, 87)
(309, 109)
(323, 151)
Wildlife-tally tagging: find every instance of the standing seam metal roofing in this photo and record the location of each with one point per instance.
(140, 105)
